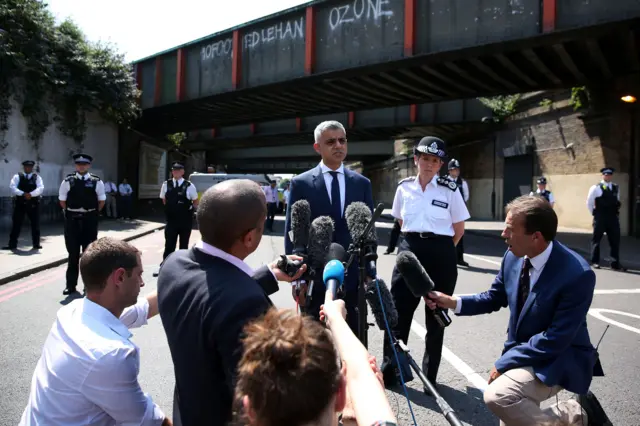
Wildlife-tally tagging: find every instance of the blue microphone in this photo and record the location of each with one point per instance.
(333, 276)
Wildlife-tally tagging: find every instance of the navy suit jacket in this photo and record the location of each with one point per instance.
(550, 335)
(310, 186)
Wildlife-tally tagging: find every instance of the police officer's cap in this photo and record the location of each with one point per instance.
(454, 164)
(82, 159)
(607, 171)
(28, 163)
(542, 181)
(432, 146)
(177, 165)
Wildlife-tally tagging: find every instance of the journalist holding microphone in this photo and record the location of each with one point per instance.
(548, 289)
(431, 212)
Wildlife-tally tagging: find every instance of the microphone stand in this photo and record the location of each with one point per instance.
(364, 251)
(446, 409)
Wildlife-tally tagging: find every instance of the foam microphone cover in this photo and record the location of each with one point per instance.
(372, 297)
(358, 215)
(417, 279)
(336, 252)
(320, 237)
(300, 223)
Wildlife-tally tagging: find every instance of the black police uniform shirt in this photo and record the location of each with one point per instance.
(29, 183)
(434, 210)
(84, 191)
(605, 196)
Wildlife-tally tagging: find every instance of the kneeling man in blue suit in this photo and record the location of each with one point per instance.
(548, 289)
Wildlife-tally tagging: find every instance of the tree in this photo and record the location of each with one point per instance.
(44, 64)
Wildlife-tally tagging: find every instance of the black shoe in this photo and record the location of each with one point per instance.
(591, 406)
(68, 291)
(9, 248)
(595, 265)
(36, 247)
(388, 252)
(616, 266)
(389, 375)
(462, 263)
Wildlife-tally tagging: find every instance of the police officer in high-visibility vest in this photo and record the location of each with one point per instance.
(431, 212)
(27, 188)
(542, 191)
(454, 174)
(603, 203)
(82, 198)
(180, 198)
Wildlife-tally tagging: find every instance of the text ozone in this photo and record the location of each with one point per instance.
(280, 31)
(367, 9)
(216, 50)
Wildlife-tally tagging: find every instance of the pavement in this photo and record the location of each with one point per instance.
(23, 262)
(28, 307)
(577, 239)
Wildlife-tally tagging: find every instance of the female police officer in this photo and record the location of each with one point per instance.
(431, 212)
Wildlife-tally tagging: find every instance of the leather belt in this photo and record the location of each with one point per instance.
(425, 235)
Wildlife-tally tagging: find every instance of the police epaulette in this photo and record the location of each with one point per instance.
(407, 179)
(448, 183)
(95, 177)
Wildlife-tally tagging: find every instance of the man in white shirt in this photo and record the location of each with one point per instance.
(27, 188)
(111, 191)
(126, 193)
(271, 194)
(88, 371)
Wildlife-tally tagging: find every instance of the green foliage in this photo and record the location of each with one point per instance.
(502, 106)
(44, 64)
(546, 102)
(579, 98)
(177, 138)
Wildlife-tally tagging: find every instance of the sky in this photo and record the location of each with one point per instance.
(141, 28)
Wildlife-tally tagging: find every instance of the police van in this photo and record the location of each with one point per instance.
(204, 181)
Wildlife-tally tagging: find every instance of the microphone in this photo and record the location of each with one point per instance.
(320, 236)
(299, 236)
(361, 226)
(419, 282)
(371, 296)
(300, 224)
(333, 276)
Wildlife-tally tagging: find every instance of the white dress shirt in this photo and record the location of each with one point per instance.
(192, 193)
(537, 265)
(65, 188)
(328, 180)
(435, 209)
(286, 195)
(465, 189)
(13, 185)
(125, 189)
(596, 191)
(271, 194)
(551, 198)
(239, 263)
(88, 371)
(110, 187)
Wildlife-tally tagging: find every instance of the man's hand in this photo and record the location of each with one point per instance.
(436, 299)
(374, 367)
(281, 276)
(494, 374)
(27, 196)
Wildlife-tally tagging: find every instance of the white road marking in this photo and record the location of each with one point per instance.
(474, 378)
(473, 256)
(597, 313)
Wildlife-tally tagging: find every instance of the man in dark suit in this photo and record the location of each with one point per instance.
(548, 289)
(207, 294)
(330, 188)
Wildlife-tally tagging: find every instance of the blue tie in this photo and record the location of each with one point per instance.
(336, 209)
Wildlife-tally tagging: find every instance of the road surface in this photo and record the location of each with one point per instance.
(28, 308)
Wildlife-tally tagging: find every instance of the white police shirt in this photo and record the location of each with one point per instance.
(192, 193)
(435, 209)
